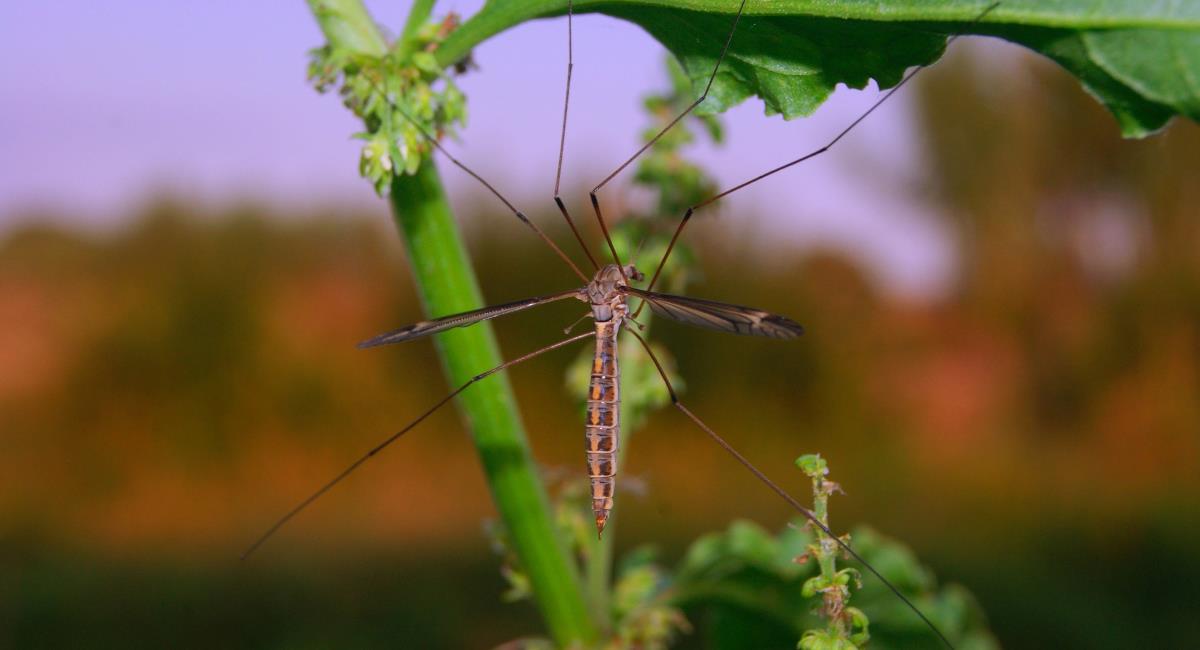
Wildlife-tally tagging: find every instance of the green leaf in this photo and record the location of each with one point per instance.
(1140, 59)
(813, 465)
(792, 63)
(1136, 115)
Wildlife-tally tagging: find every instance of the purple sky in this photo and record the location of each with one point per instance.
(107, 103)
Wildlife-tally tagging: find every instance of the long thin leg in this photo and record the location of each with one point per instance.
(812, 154)
(608, 239)
(791, 501)
(562, 137)
(596, 202)
(508, 204)
(392, 438)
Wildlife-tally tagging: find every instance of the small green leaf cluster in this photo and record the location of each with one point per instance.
(755, 589)
(404, 98)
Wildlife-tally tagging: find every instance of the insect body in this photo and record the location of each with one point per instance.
(603, 419)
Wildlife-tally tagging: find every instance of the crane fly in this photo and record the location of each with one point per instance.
(607, 296)
(607, 293)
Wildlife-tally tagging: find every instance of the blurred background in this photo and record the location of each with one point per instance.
(1002, 363)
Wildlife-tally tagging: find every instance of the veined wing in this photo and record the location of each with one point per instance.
(724, 317)
(426, 327)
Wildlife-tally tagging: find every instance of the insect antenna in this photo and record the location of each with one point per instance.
(596, 202)
(687, 215)
(791, 501)
(562, 137)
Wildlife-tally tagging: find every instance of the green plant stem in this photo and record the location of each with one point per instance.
(826, 550)
(447, 284)
(417, 15)
(821, 509)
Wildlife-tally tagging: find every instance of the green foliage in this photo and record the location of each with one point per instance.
(754, 589)
(1139, 58)
(749, 587)
(401, 96)
(644, 619)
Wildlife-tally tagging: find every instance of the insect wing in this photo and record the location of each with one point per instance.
(720, 316)
(426, 327)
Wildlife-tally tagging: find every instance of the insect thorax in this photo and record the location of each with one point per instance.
(604, 292)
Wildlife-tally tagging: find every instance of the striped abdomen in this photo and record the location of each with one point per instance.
(603, 420)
